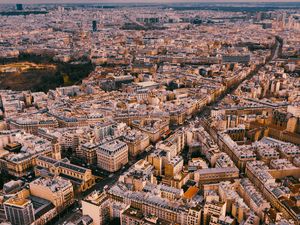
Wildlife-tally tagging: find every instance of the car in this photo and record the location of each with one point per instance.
(111, 175)
(75, 209)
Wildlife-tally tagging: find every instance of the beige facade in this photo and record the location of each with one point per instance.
(137, 145)
(96, 205)
(81, 178)
(216, 174)
(173, 167)
(23, 167)
(112, 156)
(32, 126)
(212, 211)
(154, 128)
(57, 190)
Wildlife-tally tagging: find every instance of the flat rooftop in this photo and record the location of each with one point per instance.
(19, 202)
(113, 145)
(147, 84)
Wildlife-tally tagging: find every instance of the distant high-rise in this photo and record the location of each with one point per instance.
(94, 25)
(61, 9)
(19, 6)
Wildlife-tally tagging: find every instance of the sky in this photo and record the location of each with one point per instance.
(130, 1)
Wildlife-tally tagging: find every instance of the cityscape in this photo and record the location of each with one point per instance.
(143, 113)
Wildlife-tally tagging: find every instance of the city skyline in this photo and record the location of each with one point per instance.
(141, 1)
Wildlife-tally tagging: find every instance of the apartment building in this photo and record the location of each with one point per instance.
(112, 156)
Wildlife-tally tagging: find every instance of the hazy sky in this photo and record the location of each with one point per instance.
(135, 1)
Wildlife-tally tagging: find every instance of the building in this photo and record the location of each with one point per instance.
(12, 186)
(104, 129)
(212, 211)
(97, 206)
(148, 203)
(137, 142)
(94, 25)
(57, 190)
(88, 152)
(132, 216)
(253, 198)
(19, 211)
(194, 215)
(81, 178)
(154, 128)
(174, 166)
(112, 156)
(19, 6)
(211, 175)
(236, 59)
(135, 216)
(31, 125)
(138, 175)
(23, 149)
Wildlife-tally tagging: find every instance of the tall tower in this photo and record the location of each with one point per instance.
(19, 6)
(56, 153)
(94, 25)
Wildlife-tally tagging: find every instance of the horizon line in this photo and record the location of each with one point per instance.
(145, 2)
